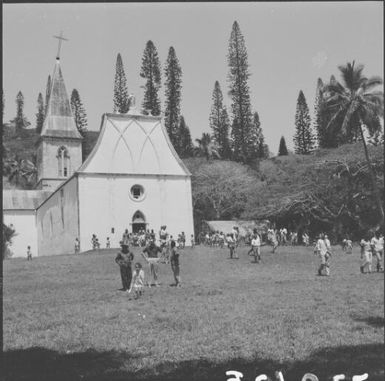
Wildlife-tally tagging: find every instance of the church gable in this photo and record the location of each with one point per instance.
(133, 144)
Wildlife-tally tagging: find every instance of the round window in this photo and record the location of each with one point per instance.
(137, 192)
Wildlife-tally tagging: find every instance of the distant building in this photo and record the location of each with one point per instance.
(133, 179)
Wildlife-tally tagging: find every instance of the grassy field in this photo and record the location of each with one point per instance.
(65, 318)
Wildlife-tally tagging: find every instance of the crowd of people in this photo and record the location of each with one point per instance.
(167, 251)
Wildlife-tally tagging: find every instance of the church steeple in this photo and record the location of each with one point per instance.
(59, 121)
(59, 152)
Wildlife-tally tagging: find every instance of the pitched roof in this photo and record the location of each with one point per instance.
(133, 143)
(16, 199)
(59, 121)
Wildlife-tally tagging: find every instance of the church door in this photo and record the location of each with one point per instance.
(138, 222)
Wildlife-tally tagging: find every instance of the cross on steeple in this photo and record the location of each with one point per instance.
(60, 38)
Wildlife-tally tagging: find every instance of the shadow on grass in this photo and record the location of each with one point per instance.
(374, 321)
(42, 365)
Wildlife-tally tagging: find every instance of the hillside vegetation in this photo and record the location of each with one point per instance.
(329, 190)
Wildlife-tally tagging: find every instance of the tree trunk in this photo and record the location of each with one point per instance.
(372, 176)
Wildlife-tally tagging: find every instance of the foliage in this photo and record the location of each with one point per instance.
(282, 151)
(185, 146)
(78, 112)
(262, 149)
(151, 72)
(173, 87)
(303, 139)
(219, 123)
(330, 193)
(21, 172)
(8, 234)
(47, 94)
(39, 114)
(121, 99)
(358, 103)
(19, 119)
(244, 139)
(206, 147)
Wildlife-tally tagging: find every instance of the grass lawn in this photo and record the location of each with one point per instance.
(65, 318)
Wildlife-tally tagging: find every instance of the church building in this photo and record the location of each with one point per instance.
(132, 179)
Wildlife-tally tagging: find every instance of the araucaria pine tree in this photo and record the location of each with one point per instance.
(282, 151)
(242, 135)
(173, 87)
(185, 146)
(219, 123)
(121, 99)
(262, 149)
(303, 139)
(39, 114)
(19, 120)
(319, 115)
(78, 112)
(47, 94)
(151, 72)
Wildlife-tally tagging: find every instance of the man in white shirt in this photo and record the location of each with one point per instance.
(256, 247)
(321, 250)
(377, 245)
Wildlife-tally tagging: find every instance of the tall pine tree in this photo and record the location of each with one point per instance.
(185, 146)
(282, 151)
(173, 87)
(319, 115)
(151, 72)
(78, 112)
(47, 94)
(243, 139)
(121, 99)
(303, 139)
(40, 113)
(219, 123)
(19, 120)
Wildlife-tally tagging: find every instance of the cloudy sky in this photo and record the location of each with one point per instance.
(289, 45)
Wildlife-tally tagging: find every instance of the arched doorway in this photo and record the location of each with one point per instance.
(138, 222)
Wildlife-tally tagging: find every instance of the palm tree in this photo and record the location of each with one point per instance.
(357, 100)
(206, 147)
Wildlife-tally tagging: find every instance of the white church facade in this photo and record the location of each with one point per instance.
(132, 179)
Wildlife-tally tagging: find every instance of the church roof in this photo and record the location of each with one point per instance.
(16, 199)
(134, 144)
(59, 121)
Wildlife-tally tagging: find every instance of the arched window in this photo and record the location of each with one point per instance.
(63, 160)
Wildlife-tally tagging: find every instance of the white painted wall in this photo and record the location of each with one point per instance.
(57, 221)
(24, 222)
(105, 203)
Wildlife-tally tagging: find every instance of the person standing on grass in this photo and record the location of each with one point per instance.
(192, 241)
(321, 250)
(377, 245)
(29, 253)
(256, 247)
(124, 260)
(108, 243)
(137, 281)
(126, 237)
(328, 253)
(366, 255)
(150, 254)
(77, 246)
(174, 260)
(232, 246)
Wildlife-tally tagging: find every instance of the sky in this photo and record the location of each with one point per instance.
(290, 45)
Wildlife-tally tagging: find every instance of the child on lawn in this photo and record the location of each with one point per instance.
(366, 255)
(137, 282)
(231, 244)
(256, 247)
(29, 253)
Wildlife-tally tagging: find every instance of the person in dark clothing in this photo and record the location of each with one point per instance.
(124, 260)
(174, 260)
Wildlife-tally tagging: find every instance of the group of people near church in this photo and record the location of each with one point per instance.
(134, 279)
(372, 246)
